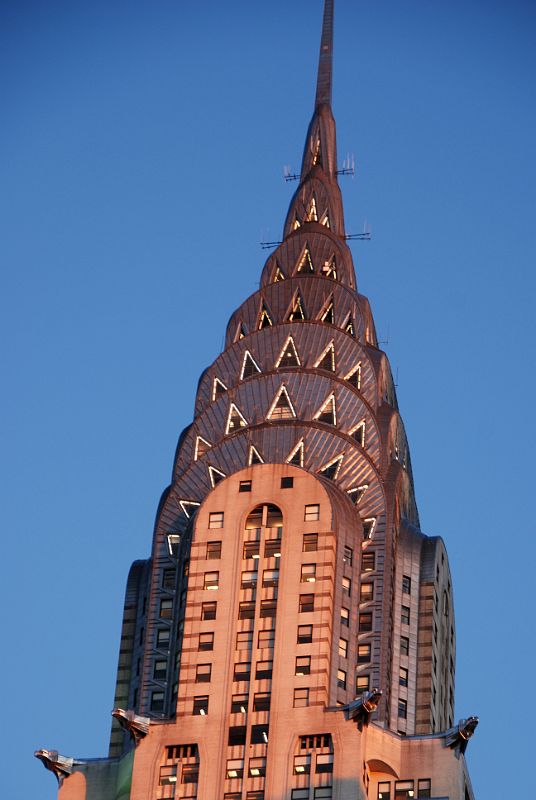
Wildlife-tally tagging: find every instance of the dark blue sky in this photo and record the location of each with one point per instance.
(141, 154)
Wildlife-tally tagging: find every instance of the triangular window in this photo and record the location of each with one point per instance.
(296, 455)
(349, 325)
(240, 332)
(218, 388)
(265, 320)
(327, 315)
(312, 215)
(305, 264)
(235, 420)
(325, 220)
(254, 456)
(189, 507)
(329, 269)
(297, 312)
(249, 366)
(332, 468)
(327, 359)
(201, 447)
(327, 411)
(368, 527)
(357, 493)
(358, 433)
(296, 224)
(281, 407)
(354, 376)
(278, 274)
(317, 153)
(288, 356)
(215, 475)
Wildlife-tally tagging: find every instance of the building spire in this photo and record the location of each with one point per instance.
(325, 60)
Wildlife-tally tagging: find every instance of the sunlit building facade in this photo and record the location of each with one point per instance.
(292, 635)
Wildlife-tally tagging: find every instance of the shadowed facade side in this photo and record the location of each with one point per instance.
(292, 635)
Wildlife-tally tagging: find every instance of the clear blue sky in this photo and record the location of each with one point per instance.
(141, 154)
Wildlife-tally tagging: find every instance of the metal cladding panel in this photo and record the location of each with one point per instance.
(323, 245)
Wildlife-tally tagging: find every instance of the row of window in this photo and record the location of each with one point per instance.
(405, 790)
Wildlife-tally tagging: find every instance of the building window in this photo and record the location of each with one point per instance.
(310, 542)
(348, 555)
(404, 617)
(244, 486)
(259, 734)
(237, 735)
(239, 704)
(403, 676)
(246, 610)
(346, 586)
(162, 638)
(406, 584)
(404, 645)
(190, 773)
(248, 580)
(157, 701)
(270, 577)
(168, 579)
(305, 634)
(268, 608)
(261, 701)
(215, 519)
(168, 775)
(362, 684)
(160, 670)
(251, 549)
(287, 482)
(343, 648)
(242, 671)
(264, 670)
(341, 679)
(211, 580)
(424, 788)
(368, 561)
(384, 791)
(366, 592)
(312, 512)
(166, 608)
(308, 573)
(235, 768)
(301, 698)
(303, 665)
(203, 673)
(255, 795)
(323, 793)
(363, 653)
(368, 528)
(404, 790)
(266, 639)
(206, 641)
(244, 640)
(402, 710)
(213, 550)
(302, 766)
(307, 603)
(324, 762)
(365, 622)
(272, 548)
(345, 617)
(200, 707)
(208, 610)
(299, 794)
(257, 767)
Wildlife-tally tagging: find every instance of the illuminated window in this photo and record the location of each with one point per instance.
(312, 215)
(312, 513)
(305, 634)
(363, 653)
(366, 592)
(308, 573)
(288, 356)
(278, 275)
(206, 641)
(215, 476)
(329, 269)
(301, 698)
(327, 359)
(235, 768)
(365, 622)
(302, 765)
(327, 412)
(403, 676)
(303, 665)
(257, 767)
(362, 684)
(368, 527)
(297, 312)
(235, 420)
(328, 315)
(201, 447)
(341, 679)
(254, 456)
(166, 608)
(343, 648)
(218, 388)
(354, 376)
(208, 610)
(281, 407)
(358, 433)
(356, 493)
(213, 550)
(203, 673)
(265, 320)
(345, 617)
(249, 366)
(307, 603)
(211, 580)
(332, 468)
(200, 707)
(296, 455)
(305, 264)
